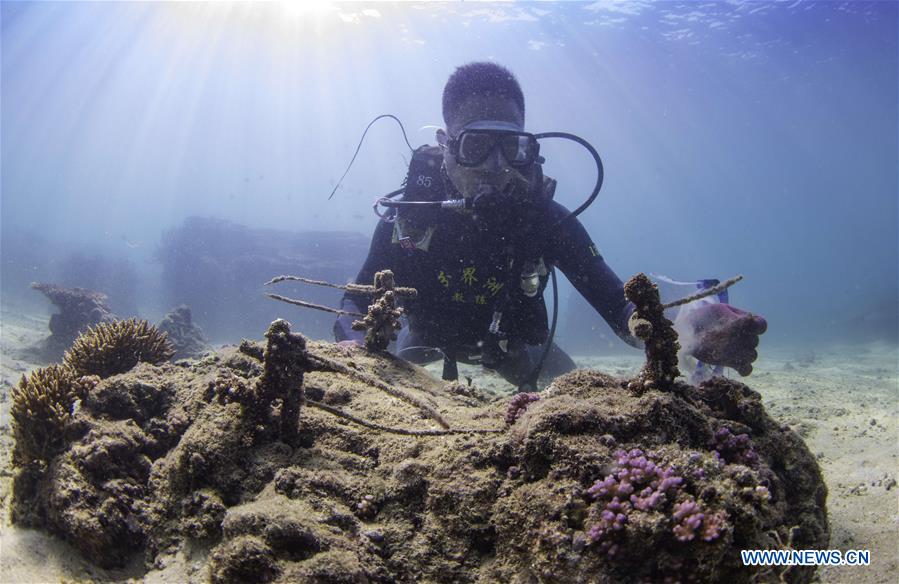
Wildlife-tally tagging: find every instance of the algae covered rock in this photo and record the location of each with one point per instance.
(653, 487)
(402, 479)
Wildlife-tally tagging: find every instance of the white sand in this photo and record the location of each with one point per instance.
(843, 402)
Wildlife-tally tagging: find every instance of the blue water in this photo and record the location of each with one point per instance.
(749, 138)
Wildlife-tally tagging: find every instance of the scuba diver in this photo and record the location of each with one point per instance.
(478, 234)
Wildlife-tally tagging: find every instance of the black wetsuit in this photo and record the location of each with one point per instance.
(465, 275)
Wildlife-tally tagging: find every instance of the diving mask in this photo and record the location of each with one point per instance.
(475, 145)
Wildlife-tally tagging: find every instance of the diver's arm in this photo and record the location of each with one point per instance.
(578, 257)
(379, 258)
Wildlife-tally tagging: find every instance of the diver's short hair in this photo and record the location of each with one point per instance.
(482, 79)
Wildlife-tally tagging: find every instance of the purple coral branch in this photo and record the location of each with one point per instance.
(518, 405)
(734, 448)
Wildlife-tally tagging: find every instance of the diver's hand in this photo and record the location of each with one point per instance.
(727, 336)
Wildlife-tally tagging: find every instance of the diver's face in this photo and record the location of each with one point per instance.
(495, 171)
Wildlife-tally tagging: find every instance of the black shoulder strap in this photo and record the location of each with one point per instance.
(424, 181)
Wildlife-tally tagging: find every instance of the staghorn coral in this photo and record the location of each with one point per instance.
(42, 407)
(111, 348)
(383, 318)
(712, 525)
(689, 516)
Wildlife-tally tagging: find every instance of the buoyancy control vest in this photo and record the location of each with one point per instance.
(520, 316)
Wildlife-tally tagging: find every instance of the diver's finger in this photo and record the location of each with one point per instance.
(744, 359)
(750, 324)
(758, 325)
(744, 369)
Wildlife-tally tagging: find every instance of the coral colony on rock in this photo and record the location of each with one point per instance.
(78, 309)
(116, 347)
(298, 461)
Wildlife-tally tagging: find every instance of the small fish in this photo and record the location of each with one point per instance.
(129, 243)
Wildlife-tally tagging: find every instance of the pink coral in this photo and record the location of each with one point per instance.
(692, 519)
(689, 516)
(712, 526)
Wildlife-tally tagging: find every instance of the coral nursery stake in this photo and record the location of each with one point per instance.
(717, 289)
(284, 361)
(649, 324)
(382, 319)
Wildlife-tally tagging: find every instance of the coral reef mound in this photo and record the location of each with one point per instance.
(384, 474)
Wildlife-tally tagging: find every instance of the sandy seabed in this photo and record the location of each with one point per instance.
(844, 401)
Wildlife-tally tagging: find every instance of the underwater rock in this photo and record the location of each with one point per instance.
(186, 337)
(591, 482)
(243, 559)
(78, 309)
(654, 498)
